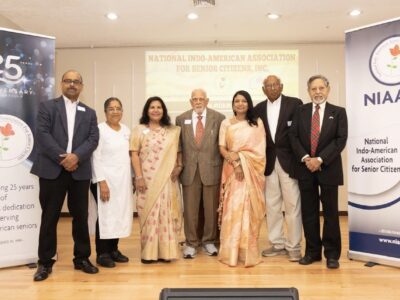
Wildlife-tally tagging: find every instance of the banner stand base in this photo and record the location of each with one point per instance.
(371, 264)
(370, 258)
(32, 265)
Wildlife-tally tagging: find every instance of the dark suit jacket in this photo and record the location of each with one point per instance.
(281, 148)
(332, 140)
(52, 139)
(207, 156)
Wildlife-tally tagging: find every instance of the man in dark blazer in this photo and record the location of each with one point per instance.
(201, 174)
(277, 112)
(66, 136)
(319, 173)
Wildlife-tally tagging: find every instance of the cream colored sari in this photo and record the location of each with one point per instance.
(159, 208)
(242, 204)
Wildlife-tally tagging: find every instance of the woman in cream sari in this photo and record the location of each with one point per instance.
(157, 163)
(242, 204)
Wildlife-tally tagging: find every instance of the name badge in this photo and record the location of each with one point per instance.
(188, 122)
(81, 108)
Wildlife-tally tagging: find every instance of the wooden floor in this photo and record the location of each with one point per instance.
(137, 281)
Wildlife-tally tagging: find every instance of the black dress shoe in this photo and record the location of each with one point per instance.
(42, 273)
(332, 263)
(308, 260)
(164, 260)
(148, 261)
(86, 266)
(117, 256)
(105, 260)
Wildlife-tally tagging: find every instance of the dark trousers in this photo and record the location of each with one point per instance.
(312, 192)
(102, 245)
(51, 196)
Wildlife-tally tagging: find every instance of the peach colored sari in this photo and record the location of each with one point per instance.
(159, 208)
(242, 204)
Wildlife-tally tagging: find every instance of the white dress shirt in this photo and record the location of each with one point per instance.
(321, 118)
(70, 107)
(273, 109)
(195, 119)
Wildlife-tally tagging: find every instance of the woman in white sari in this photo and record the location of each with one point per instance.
(112, 173)
(157, 163)
(242, 204)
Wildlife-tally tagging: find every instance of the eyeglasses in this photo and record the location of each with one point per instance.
(114, 109)
(272, 86)
(198, 99)
(69, 81)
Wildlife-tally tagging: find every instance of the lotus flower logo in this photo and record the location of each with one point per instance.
(6, 131)
(384, 62)
(395, 52)
(16, 141)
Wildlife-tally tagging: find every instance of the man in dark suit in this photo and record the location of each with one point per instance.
(201, 174)
(66, 136)
(318, 136)
(277, 112)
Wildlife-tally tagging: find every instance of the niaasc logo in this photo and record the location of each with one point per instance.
(16, 141)
(384, 62)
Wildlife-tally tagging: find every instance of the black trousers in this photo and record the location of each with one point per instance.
(51, 196)
(312, 192)
(102, 245)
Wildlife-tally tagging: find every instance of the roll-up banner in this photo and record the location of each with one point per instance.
(26, 79)
(373, 107)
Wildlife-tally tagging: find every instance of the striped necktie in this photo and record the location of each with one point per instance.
(315, 130)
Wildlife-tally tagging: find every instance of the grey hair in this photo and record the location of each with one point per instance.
(277, 77)
(199, 90)
(315, 77)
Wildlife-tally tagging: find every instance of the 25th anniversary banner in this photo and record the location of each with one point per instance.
(26, 79)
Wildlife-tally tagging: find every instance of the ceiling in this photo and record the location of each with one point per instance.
(81, 23)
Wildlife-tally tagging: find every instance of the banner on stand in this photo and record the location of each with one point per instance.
(26, 79)
(373, 107)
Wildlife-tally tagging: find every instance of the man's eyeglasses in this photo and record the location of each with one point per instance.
(198, 99)
(114, 109)
(272, 86)
(69, 81)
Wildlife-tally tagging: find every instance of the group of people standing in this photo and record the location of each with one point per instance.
(232, 171)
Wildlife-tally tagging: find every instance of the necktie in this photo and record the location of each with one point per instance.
(199, 130)
(315, 130)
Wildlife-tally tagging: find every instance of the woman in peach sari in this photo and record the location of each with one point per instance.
(242, 204)
(157, 163)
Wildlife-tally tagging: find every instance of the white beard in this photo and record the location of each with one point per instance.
(318, 100)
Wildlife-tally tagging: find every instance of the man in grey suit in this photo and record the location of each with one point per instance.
(66, 136)
(277, 112)
(201, 174)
